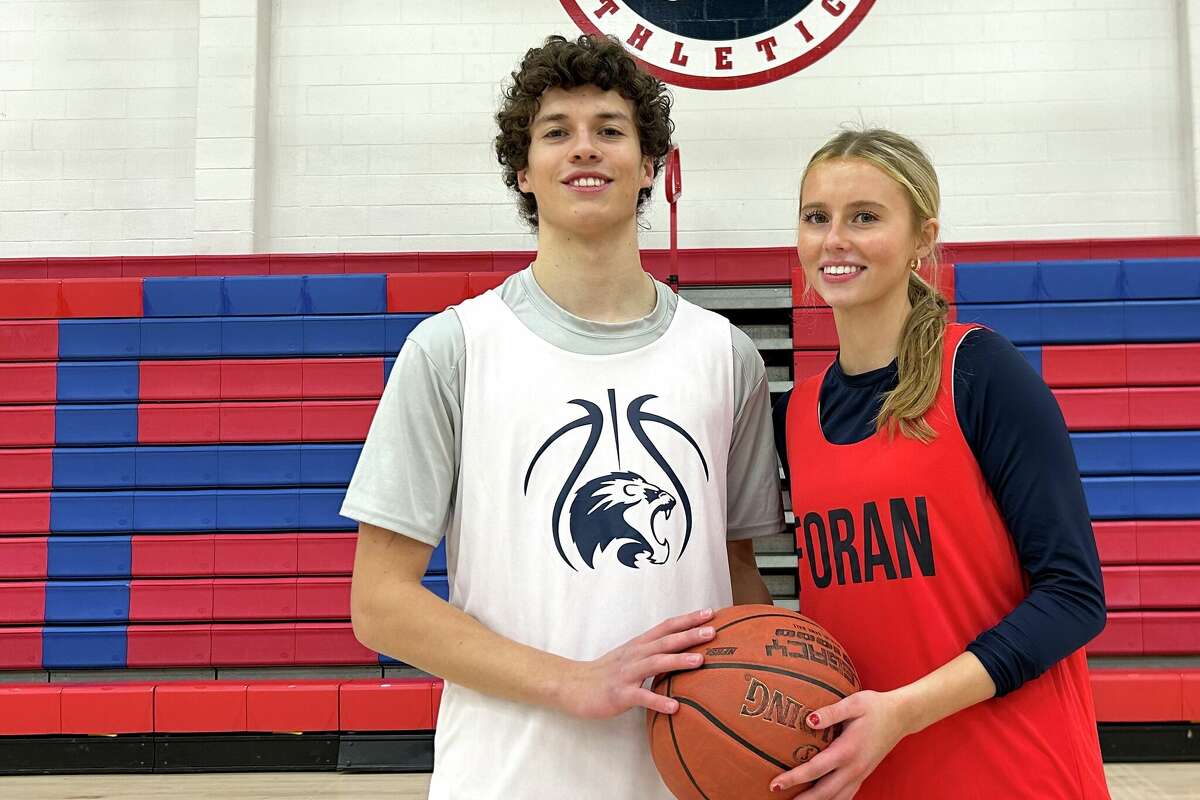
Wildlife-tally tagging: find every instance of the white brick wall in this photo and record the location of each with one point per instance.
(1046, 119)
(135, 126)
(1190, 17)
(97, 119)
(230, 140)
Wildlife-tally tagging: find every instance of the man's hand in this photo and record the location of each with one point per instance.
(612, 684)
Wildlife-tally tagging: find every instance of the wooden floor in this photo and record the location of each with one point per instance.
(1127, 782)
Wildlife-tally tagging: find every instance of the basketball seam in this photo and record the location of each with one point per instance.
(678, 753)
(764, 615)
(732, 734)
(777, 671)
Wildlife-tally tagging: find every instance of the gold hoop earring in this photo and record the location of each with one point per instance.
(914, 264)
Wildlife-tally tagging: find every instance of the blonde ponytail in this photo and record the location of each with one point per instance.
(919, 363)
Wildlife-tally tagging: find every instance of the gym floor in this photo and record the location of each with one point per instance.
(1126, 781)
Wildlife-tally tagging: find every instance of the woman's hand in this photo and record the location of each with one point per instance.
(612, 684)
(873, 722)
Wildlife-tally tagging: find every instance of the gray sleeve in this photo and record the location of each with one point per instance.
(405, 480)
(755, 503)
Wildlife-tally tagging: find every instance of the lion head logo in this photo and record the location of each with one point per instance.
(621, 508)
(620, 514)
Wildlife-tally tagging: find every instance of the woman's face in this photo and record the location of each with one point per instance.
(857, 235)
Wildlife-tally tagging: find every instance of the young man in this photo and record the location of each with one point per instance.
(596, 451)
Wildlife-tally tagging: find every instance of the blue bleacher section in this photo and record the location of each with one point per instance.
(1052, 302)
(1137, 452)
(1068, 323)
(227, 337)
(262, 294)
(204, 466)
(1057, 281)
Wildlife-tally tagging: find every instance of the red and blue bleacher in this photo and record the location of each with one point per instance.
(175, 452)
(176, 434)
(121, 441)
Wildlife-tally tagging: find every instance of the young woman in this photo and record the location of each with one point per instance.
(941, 522)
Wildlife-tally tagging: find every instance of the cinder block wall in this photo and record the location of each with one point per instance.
(298, 125)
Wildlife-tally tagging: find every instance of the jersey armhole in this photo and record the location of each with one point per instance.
(953, 384)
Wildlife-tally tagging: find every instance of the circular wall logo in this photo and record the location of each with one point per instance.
(722, 44)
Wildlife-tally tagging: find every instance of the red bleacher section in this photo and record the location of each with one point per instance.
(218, 379)
(1160, 695)
(228, 706)
(700, 266)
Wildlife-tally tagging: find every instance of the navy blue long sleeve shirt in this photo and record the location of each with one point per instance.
(1016, 431)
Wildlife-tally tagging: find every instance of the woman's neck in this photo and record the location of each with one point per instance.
(869, 335)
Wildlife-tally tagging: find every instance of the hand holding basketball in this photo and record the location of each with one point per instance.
(741, 713)
(613, 683)
(872, 724)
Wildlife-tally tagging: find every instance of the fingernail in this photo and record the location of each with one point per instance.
(775, 787)
(814, 720)
(695, 658)
(673, 707)
(707, 612)
(707, 631)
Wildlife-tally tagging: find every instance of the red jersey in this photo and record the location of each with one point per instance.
(905, 558)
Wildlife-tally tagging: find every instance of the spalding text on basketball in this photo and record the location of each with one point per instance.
(796, 643)
(856, 549)
(772, 705)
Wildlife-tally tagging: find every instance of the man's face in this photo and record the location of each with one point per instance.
(585, 164)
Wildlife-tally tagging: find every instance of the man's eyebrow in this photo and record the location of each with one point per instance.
(561, 117)
(549, 118)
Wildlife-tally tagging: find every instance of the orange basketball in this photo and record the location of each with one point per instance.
(741, 714)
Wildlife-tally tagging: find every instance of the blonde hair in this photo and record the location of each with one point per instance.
(919, 357)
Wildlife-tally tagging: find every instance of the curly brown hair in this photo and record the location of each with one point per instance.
(590, 60)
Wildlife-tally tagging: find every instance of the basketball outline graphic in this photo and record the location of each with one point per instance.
(618, 508)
